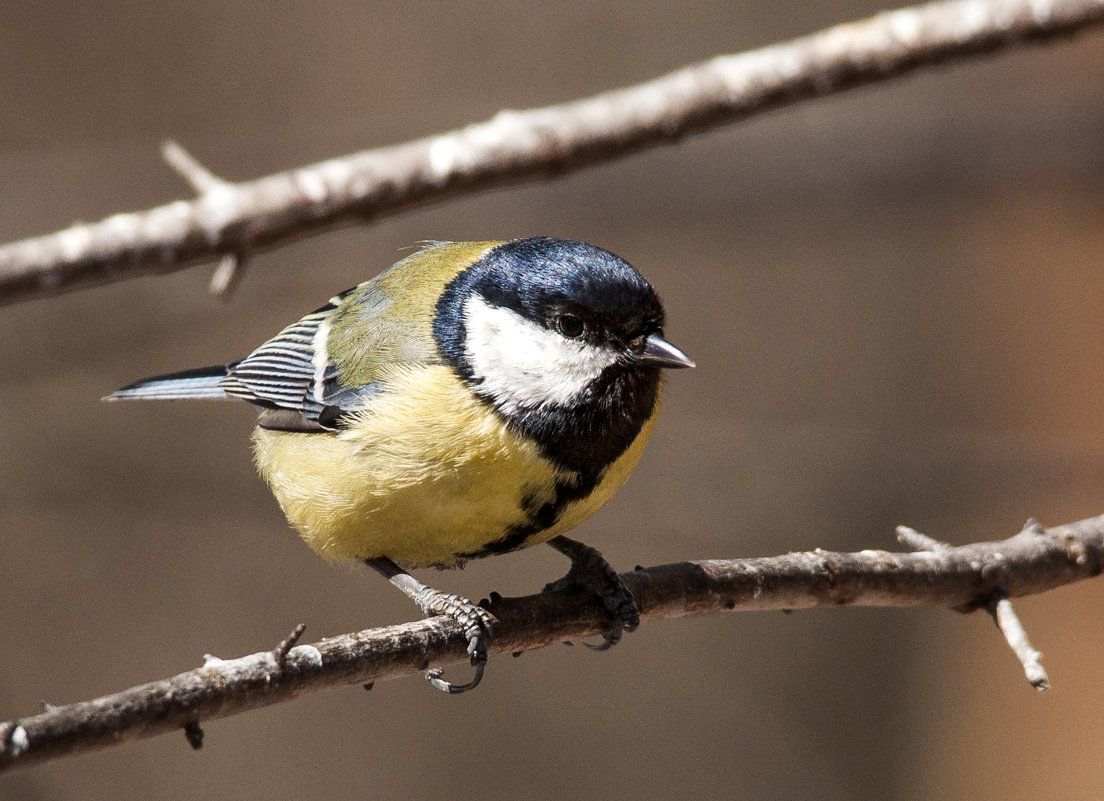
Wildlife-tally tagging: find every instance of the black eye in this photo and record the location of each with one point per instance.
(570, 326)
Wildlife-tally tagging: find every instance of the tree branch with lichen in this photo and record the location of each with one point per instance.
(982, 575)
(228, 221)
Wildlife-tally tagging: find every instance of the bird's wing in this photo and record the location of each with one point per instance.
(313, 373)
(336, 359)
(281, 373)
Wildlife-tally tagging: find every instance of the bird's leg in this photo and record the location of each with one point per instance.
(590, 569)
(475, 619)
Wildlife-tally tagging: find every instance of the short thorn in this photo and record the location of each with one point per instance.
(227, 276)
(194, 734)
(280, 652)
(1032, 526)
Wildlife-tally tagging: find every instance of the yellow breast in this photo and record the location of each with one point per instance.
(426, 476)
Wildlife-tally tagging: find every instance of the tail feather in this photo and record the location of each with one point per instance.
(202, 382)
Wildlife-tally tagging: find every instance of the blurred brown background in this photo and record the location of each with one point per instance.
(894, 298)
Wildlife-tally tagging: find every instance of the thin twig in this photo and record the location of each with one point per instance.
(919, 542)
(1000, 609)
(199, 177)
(514, 146)
(963, 576)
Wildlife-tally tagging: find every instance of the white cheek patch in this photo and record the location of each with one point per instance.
(523, 365)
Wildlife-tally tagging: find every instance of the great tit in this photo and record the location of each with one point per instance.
(473, 399)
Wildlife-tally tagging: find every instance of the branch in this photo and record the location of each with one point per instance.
(228, 220)
(998, 606)
(230, 267)
(966, 577)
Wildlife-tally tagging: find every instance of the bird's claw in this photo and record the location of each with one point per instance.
(477, 650)
(477, 623)
(610, 637)
(622, 608)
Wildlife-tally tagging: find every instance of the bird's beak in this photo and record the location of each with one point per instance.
(661, 353)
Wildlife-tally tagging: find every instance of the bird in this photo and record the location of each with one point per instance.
(473, 399)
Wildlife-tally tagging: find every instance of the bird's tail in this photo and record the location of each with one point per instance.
(202, 382)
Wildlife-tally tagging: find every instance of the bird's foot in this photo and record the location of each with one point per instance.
(590, 569)
(475, 620)
(477, 623)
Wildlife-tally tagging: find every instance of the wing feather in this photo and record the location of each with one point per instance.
(294, 373)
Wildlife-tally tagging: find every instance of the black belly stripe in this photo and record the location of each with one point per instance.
(541, 517)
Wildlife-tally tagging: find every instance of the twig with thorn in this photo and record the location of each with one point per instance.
(519, 146)
(919, 542)
(200, 178)
(961, 577)
(192, 730)
(231, 266)
(998, 606)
